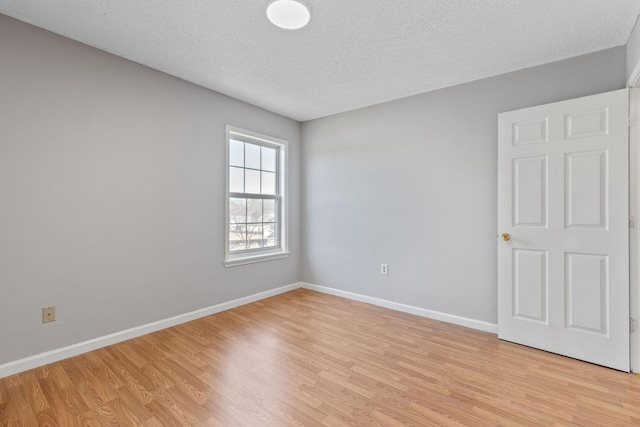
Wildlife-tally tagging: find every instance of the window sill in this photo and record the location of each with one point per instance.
(255, 258)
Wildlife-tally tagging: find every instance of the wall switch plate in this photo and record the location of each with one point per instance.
(48, 314)
(384, 269)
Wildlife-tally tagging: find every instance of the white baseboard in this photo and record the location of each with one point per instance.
(42, 359)
(423, 312)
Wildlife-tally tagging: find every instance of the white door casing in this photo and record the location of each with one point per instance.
(563, 277)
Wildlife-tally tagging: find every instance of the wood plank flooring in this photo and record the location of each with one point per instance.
(310, 359)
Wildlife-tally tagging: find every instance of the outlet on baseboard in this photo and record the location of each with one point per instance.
(48, 314)
(384, 269)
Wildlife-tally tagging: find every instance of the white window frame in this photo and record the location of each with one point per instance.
(232, 259)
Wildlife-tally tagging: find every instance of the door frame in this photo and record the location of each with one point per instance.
(634, 215)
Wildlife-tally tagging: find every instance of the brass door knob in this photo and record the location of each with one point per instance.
(505, 236)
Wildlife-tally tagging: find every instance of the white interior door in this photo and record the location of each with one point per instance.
(563, 273)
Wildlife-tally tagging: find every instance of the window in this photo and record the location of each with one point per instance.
(256, 203)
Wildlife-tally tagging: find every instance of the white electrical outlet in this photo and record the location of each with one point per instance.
(384, 269)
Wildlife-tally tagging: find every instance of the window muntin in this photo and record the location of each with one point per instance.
(255, 202)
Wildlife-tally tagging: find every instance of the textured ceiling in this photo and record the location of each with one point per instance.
(353, 53)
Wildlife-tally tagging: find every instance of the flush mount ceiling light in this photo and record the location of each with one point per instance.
(288, 14)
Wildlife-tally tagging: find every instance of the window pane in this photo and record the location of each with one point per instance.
(269, 233)
(254, 210)
(268, 159)
(252, 181)
(269, 212)
(237, 237)
(236, 153)
(236, 180)
(268, 183)
(254, 236)
(252, 156)
(237, 210)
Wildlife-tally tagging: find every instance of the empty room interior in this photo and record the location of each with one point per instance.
(319, 213)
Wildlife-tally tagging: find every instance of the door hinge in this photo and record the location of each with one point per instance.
(632, 222)
(633, 325)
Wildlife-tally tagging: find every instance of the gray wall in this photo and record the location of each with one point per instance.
(112, 193)
(412, 183)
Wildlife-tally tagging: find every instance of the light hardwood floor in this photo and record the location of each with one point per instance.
(305, 358)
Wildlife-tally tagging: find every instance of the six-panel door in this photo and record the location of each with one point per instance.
(563, 199)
